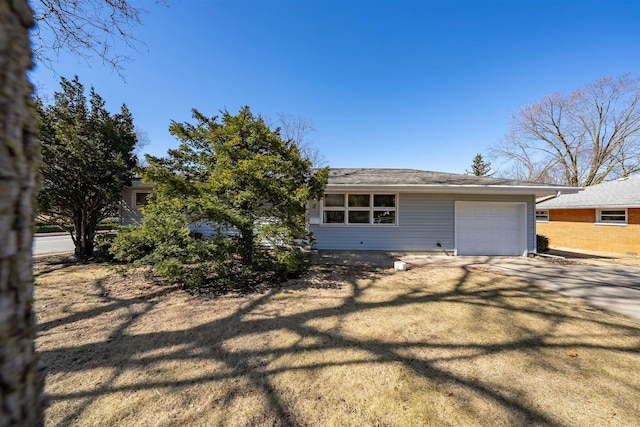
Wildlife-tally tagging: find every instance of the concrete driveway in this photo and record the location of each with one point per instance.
(610, 286)
(613, 287)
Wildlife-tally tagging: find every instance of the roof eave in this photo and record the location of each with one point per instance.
(454, 189)
(140, 185)
(593, 206)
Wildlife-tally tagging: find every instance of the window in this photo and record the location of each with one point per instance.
(140, 198)
(542, 215)
(334, 200)
(612, 216)
(333, 217)
(359, 209)
(359, 200)
(333, 212)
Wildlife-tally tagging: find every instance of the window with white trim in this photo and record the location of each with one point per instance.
(542, 215)
(612, 216)
(359, 209)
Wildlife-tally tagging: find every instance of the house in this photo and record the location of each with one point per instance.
(413, 210)
(133, 198)
(603, 217)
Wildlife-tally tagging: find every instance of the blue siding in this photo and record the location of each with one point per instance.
(424, 220)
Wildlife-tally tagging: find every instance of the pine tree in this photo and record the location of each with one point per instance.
(87, 160)
(239, 176)
(480, 167)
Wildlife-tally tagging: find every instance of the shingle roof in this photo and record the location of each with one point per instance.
(623, 193)
(417, 177)
(413, 176)
(436, 181)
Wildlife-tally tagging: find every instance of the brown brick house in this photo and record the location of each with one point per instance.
(603, 217)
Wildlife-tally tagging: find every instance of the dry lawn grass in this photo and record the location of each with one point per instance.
(345, 346)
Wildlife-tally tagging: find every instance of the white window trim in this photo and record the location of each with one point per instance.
(542, 220)
(369, 209)
(599, 221)
(133, 198)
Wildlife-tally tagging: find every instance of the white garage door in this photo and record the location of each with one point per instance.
(484, 228)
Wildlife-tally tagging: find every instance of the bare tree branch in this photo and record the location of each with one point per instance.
(296, 130)
(583, 138)
(86, 29)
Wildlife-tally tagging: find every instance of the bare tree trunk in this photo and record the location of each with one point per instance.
(21, 382)
(84, 233)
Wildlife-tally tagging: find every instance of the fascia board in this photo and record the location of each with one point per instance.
(596, 206)
(139, 185)
(455, 189)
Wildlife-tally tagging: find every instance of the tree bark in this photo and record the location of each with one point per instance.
(84, 234)
(21, 381)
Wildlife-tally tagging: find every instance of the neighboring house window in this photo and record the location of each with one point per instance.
(612, 216)
(359, 209)
(542, 215)
(140, 198)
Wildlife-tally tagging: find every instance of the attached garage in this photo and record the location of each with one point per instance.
(414, 210)
(490, 228)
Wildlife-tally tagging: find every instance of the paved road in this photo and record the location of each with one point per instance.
(52, 244)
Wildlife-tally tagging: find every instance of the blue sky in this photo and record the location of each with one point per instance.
(402, 84)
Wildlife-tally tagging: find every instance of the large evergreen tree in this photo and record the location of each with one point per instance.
(239, 176)
(87, 159)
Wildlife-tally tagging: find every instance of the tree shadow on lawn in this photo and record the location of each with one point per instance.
(611, 287)
(49, 263)
(444, 358)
